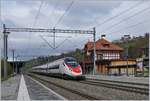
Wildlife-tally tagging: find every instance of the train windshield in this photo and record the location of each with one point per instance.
(71, 62)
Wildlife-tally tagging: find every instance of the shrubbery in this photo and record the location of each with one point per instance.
(9, 69)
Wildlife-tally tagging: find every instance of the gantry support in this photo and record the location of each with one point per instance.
(8, 30)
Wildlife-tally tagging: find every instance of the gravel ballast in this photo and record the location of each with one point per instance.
(99, 92)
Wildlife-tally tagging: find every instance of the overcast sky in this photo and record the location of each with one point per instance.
(83, 14)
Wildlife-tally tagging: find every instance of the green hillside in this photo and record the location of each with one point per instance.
(135, 46)
(9, 69)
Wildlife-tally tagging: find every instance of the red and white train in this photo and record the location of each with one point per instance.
(65, 67)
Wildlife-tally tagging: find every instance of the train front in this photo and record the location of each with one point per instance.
(73, 69)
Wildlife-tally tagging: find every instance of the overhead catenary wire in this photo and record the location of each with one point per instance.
(139, 12)
(37, 15)
(35, 20)
(78, 44)
(46, 42)
(1, 21)
(53, 12)
(119, 14)
(61, 43)
(131, 26)
(67, 9)
(34, 23)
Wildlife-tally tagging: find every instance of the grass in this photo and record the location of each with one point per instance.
(3, 79)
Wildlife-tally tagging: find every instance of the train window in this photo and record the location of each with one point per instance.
(55, 67)
(72, 62)
(64, 64)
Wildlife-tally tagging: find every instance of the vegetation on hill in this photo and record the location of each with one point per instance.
(135, 46)
(9, 70)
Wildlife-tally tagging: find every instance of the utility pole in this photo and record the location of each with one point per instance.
(47, 64)
(13, 52)
(126, 37)
(84, 62)
(5, 51)
(94, 51)
(54, 37)
(127, 60)
(16, 65)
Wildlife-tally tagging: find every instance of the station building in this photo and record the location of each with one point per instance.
(108, 59)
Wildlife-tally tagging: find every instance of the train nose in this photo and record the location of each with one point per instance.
(77, 70)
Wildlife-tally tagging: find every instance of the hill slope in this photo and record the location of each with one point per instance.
(135, 46)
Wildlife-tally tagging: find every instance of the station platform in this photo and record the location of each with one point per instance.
(10, 87)
(23, 87)
(23, 92)
(143, 80)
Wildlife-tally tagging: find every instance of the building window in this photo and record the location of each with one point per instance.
(99, 56)
(106, 45)
(108, 56)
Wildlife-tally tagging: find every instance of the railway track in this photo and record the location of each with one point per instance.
(118, 85)
(89, 97)
(121, 82)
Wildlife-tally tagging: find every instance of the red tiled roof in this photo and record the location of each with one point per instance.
(102, 44)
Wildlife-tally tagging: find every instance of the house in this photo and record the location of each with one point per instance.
(108, 59)
(143, 62)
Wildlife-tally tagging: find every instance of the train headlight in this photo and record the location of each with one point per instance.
(70, 69)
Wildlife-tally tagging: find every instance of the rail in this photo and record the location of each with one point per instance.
(118, 85)
(89, 97)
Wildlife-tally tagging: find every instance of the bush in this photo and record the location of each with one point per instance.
(9, 69)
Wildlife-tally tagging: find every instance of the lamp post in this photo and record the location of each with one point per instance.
(47, 64)
(17, 64)
(94, 51)
(13, 56)
(127, 37)
(127, 60)
(5, 33)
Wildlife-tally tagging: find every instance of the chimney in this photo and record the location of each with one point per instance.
(103, 36)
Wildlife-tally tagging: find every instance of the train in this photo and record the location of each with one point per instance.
(67, 67)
